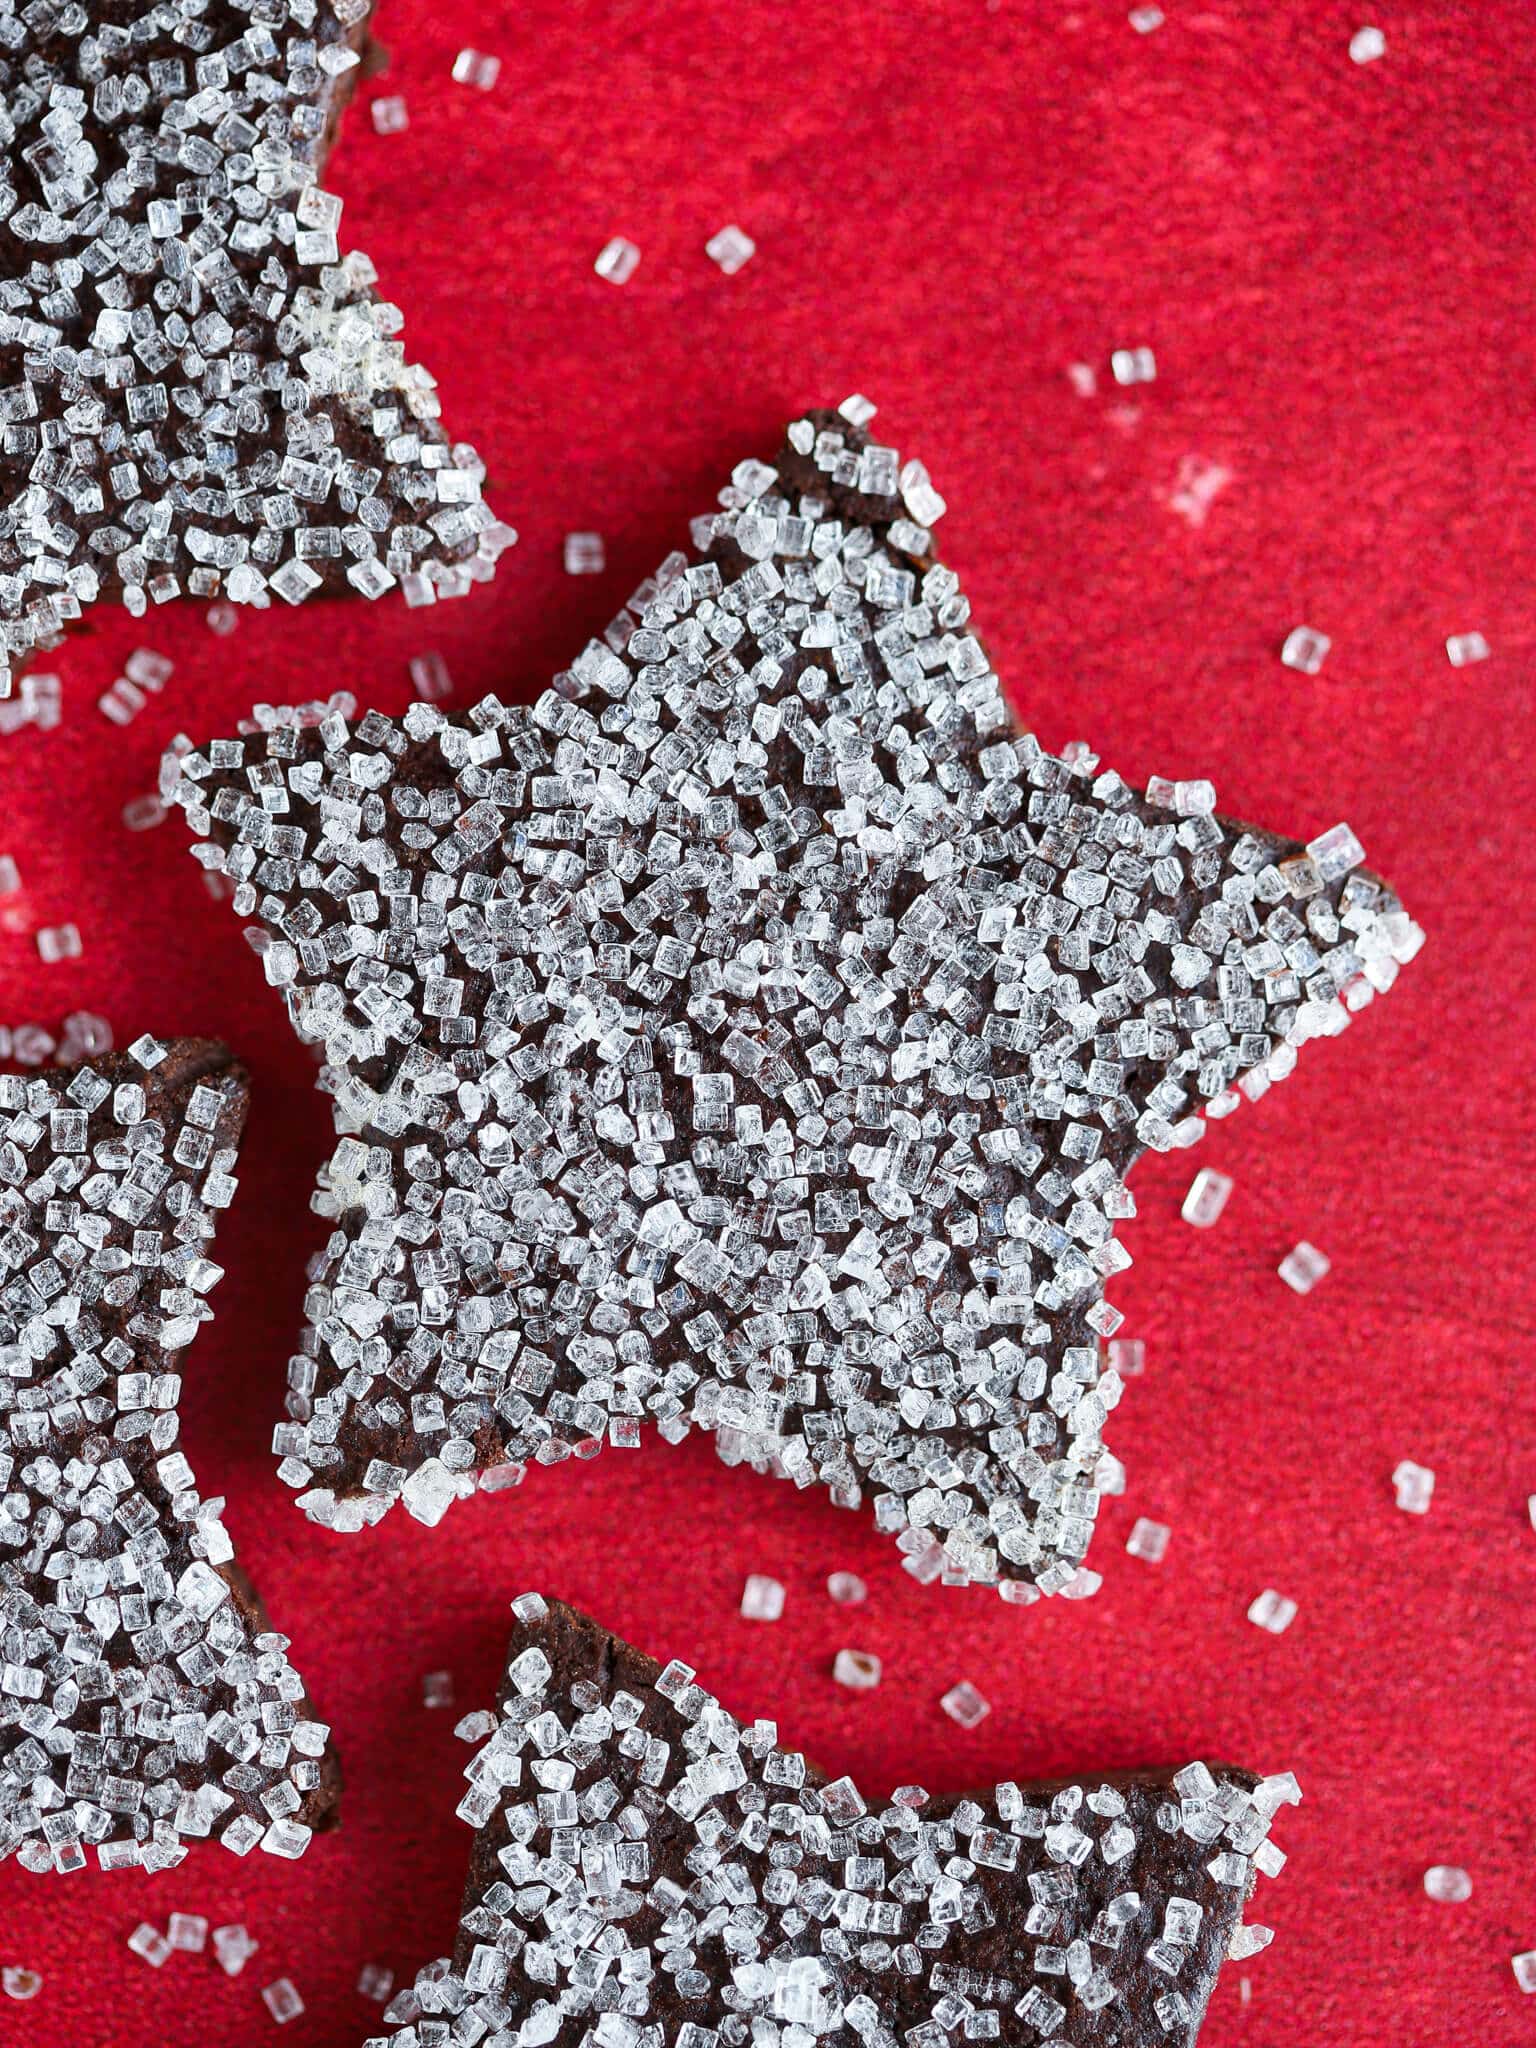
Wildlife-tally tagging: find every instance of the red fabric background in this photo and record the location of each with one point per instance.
(952, 203)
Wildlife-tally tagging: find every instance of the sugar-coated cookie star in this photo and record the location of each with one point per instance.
(754, 1034)
(145, 1701)
(648, 1872)
(201, 392)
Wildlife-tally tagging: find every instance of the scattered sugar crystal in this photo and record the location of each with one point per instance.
(617, 260)
(1127, 1356)
(1083, 378)
(1530, 1508)
(1147, 1540)
(1366, 45)
(150, 671)
(474, 67)
(20, 1983)
(476, 1727)
(1303, 1266)
(1247, 1941)
(430, 677)
(857, 409)
(437, 1689)
(762, 1598)
(59, 942)
(282, 2001)
(1133, 365)
(1305, 649)
(10, 875)
(1198, 485)
(1145, 19)
(1448, 1883)
(390, 114)
(964, 1704)
(1462, 649)
(847, 1588)
(143, 813)
(1207, 1197)
(151, 1944)
(122, 703)
(222, 619)
(584, 554)
(1524, 1967)
(1415, 1486)
(1272, 1611)
(731, 248)
(233, 1948)
(1335, 853)
(188, 1932)
(857, 1669)
(375, 1982)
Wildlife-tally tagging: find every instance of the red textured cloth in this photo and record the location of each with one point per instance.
(952, 204)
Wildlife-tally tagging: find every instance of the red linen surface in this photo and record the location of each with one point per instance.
(952, 204)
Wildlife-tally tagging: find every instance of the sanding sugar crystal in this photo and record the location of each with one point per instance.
(1462, 649)
(859, 1670)
(1448, 1883)
(617, 260)
(1272, 1611)
(1524, 1967)
(1415, 1486)
(20, 1983)
(847, 1589)
(1366, 45)
(233, 1948)
(1148, 1540)
(390, 115)
(1305, 649)
(964, 1704)
(1207, 1197)
(375, 1982)
(762, 1598)
(282, 2000)
(585, 554)
(731, 248)
(151, 1944)
(188, 1932)
(1133, 366)
(474, 67)
(437, 1689)
(1303, 1266)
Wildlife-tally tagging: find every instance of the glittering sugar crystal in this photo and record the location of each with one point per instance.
(233, 1948)
(1462, 649)
(730, 248)
(1524, 1967)
(1133, 366)
(1305, 649)
(859, 1670)
(1415, 1487)
(1335, 853)
(390, 114)
(857, 410)
(143, 813)
(20, 1983)
(437, 1689)
(755, 1034)
(375, 1982)
(474, 67)
(1366, 45)
(1448, 1883)
(1303, 1266)
(762, 1598)
(1127, 1356)
(430, 678)
(148, 670)
(151, 1944)
(187, 1931)
(10, 875)
(1207, 1197)
(1147, 1540)
(617, 260)
(282, 2000)
(584, 554)
(991, 1916)
(965, 1705)
(1272, 1611)
(1145, 19)
(847, 1589)
(59, 942)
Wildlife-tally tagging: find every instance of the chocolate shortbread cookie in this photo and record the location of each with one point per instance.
(145, 1701)
(200, 392)
(755, 1034)
(648, 1872)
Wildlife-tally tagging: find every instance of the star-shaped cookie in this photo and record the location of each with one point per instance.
(145, 1701)
(648, 1872)
(755, 1034)
(201, 393)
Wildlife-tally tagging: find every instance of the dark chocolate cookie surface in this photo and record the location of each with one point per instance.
(145, 1701)
(648, 1872)
(754, 1034)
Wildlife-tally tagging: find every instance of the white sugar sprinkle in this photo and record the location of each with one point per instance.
(762, 1599)
(1415, 1486)
(859, 1670)
(375, 1982)
(1447, 1883)
(474, 67)
(1148, 1540)
(151, 1944)
(730, 248)
(437, 1689)
(1305, 649)
(282, 2000)
(1366, 45)
(584, 554)
(1462, 649)
(1303, 1266)
(390, 114)
(965, 1705)
(1273, 1611)
(847, 1589)
(20, 1983)
(1524, 1967)
(59, 942)
(1206, 1199)
(1133, 365)
(617, 260)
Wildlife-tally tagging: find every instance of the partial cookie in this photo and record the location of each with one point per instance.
(649, 1873)
(200, 393)
(145, 1701)
(755, 1034)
